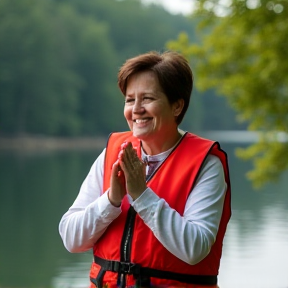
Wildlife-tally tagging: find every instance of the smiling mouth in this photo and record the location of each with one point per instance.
(141, 121)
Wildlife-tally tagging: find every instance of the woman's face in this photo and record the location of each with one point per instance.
(147, 110)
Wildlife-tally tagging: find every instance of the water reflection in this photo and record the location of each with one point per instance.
(36, 189)
(257, 255)
(74, 275)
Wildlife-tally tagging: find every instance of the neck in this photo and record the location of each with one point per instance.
(160, 146)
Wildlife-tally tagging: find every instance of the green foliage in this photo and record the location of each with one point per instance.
(269, 157)
(94, 62)
(208, 112)
(59, 61)
(35, 79)
(243, 56)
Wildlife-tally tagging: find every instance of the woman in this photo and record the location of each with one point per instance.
(156, 202)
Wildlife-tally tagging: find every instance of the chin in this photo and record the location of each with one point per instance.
(142, 136)
(137, 135)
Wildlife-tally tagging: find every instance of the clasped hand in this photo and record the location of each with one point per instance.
(128, 175)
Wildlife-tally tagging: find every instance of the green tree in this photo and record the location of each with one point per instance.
(133, 29)
(243, 55)
(96, 64)
(36, 80)
(55, 70)
(59, 62)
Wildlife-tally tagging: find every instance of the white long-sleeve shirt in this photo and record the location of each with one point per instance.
(188, 237)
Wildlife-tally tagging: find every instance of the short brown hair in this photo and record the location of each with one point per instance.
(172, 69)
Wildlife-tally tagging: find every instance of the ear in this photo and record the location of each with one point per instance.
(178, 107)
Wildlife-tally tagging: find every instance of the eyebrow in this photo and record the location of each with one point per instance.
(142, 94)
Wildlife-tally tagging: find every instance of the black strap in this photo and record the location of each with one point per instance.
(98, 281)
(145, 272)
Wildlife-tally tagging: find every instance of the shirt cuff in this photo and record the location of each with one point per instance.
(106, 209)
(146, 205)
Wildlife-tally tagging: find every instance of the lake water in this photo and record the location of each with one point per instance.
(37, 188)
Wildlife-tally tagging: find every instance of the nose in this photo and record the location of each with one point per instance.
(138, 107)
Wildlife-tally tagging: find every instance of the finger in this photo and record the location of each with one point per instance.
(120, 155)
(132, 155)
(116, 169)
(127, 156)
(125, 148)
(124, 145)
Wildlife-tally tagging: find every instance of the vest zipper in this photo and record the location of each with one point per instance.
(126, 243)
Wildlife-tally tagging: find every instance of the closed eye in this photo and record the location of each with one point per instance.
(144, 100)
(129, 100)
(147, 99)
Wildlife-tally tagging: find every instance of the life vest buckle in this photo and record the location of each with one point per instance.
(127, 268)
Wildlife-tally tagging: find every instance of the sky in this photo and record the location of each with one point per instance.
(174, 6)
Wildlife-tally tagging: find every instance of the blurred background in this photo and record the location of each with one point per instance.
(59, 101)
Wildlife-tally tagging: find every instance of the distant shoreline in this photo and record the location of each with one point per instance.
(51, 143)
(32, 142)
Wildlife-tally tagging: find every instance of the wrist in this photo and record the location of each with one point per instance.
(114, 202)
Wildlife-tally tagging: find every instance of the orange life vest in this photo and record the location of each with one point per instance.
(172, 181)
